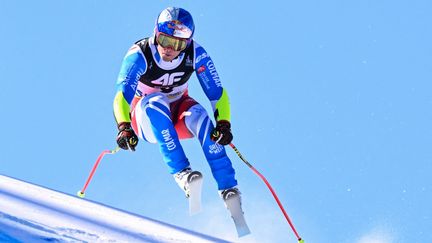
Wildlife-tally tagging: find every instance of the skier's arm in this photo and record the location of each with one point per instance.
(133, 66)
(211, 84)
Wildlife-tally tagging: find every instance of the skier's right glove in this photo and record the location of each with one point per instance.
(126, 137)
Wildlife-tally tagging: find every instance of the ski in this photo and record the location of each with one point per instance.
(195, 180)
(233, 203)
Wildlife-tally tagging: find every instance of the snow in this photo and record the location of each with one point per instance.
(30, 213)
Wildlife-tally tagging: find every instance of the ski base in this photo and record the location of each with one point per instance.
(195, 181)
(234, 206)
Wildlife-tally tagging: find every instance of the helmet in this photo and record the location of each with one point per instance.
(175, 22)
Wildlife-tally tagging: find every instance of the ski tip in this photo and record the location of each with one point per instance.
(194, 212)
(243, 231)
(301, 241)
(80, 194)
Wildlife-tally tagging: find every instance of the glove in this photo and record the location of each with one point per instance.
(222, 133)
(126, 137)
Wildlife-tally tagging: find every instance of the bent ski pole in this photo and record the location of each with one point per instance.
(271, 190)
(81, 193)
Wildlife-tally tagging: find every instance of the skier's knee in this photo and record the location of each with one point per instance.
(194, 122)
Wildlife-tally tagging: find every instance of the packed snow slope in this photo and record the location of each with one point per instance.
(30, 213)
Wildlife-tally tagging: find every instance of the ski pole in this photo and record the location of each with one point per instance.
(81, 193)
(271, 190)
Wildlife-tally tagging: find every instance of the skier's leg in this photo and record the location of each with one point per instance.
(198, 123)
(154, 124)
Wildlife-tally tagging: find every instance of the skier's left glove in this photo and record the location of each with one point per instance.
(126, 137)
(222, 133)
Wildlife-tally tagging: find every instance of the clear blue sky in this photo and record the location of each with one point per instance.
(331, 101)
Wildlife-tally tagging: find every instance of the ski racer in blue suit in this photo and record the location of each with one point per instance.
(152, 101)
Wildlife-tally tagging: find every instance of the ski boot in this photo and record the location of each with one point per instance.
(191, 183)
(232, 200)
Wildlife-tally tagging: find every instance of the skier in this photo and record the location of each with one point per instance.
(152, 101)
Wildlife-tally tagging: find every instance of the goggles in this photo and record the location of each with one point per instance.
(166, 41)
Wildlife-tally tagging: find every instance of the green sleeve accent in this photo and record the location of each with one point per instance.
(222, 108)
(121, 108)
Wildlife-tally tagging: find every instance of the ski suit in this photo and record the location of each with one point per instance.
(152, 94)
